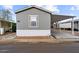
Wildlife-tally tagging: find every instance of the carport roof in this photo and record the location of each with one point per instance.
(56, 17)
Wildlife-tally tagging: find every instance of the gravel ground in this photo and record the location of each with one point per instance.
(8, 36)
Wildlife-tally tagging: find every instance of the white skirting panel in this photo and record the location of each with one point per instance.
(33, 32)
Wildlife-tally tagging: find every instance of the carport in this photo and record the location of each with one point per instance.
(54, 24)
(55, 18)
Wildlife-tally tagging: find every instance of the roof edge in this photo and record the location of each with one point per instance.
(33, 6)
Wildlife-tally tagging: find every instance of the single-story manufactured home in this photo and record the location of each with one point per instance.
(36, 21)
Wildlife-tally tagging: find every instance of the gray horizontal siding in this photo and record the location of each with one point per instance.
(44, 20)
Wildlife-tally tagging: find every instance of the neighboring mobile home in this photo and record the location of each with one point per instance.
(5, 21)
(68, 25)
(5, 26)
(36, 21)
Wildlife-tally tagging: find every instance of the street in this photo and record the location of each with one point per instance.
(39, 48)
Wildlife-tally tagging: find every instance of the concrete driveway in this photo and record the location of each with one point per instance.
(40, 48)
(65, 35)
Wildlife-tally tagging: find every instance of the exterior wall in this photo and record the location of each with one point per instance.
(69, 25)
(43, 20)
(65, 25)
(5, 25)
(76, 25)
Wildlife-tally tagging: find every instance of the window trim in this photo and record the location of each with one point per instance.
(29, 22)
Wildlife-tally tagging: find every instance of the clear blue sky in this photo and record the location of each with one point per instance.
(16, 7)
(67, 9)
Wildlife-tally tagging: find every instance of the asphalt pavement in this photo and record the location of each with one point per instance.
(40, 48)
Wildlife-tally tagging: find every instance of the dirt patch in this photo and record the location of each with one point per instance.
(5, 42)
(37, 39)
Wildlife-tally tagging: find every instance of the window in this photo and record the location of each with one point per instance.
(33, 21)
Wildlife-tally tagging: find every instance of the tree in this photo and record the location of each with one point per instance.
(7, 15)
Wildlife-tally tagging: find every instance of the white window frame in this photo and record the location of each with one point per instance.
(29, 23)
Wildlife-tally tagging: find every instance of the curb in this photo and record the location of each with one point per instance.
(56, 42)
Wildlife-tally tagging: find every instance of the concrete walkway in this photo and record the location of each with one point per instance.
(65, 36)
